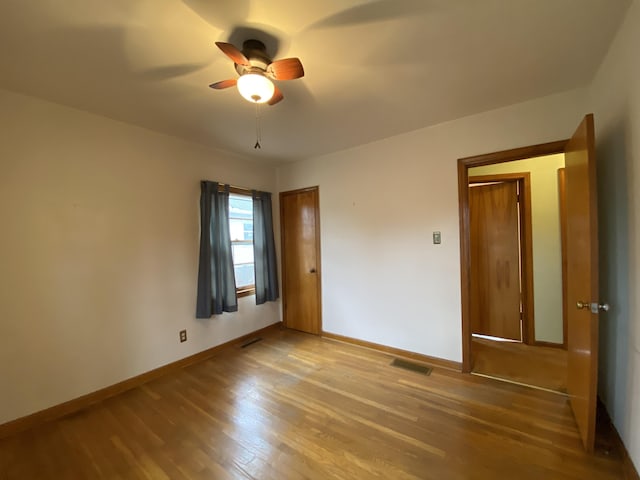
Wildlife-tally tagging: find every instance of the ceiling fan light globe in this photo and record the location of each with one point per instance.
(255, 88)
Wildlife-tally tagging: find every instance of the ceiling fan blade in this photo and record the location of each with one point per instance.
(224, 84)
(233, 53)
(286, 69)
(277, 96)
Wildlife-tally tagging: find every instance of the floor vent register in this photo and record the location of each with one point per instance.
(414, 367)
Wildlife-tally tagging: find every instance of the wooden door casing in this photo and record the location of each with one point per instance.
(562, 197)
(301, 273)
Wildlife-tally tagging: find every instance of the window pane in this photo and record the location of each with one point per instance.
(240, 206)
(244, 275)
(241, 229)
(242, 254)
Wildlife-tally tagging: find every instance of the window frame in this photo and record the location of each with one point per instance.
(245, 290)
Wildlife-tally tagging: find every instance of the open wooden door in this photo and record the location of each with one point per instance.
(582, 278)
(300, 232)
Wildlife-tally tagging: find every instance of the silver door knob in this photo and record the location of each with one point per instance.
(594, 307)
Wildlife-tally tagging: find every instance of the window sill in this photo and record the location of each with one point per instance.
(246, 291)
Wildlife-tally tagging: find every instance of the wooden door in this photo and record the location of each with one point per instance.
(300, 232)
(495, 260)
(582, 278)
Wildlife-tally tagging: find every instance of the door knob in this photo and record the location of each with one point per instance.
(313, 270)
(594, 307)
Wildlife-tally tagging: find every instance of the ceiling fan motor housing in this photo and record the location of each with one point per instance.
(256, 53)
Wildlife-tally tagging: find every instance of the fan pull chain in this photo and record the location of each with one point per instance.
(258, 131)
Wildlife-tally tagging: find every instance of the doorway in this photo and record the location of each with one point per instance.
(515, 335)
(301, 281)
(581, 255)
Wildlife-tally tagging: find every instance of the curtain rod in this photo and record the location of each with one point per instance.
(242, 190)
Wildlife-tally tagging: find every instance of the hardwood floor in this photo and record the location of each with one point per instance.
(297, 406)
(544, 367)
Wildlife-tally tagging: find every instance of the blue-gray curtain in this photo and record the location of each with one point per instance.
(264, 250)
(216, 279)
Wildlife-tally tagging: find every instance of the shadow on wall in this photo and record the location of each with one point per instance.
(614, 261)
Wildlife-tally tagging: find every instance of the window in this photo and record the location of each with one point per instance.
(228, 268)
(241, 230)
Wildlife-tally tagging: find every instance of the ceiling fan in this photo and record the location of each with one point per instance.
(256, 71)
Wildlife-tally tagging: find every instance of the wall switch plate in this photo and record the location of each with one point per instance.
(183, 336)
(437, 238)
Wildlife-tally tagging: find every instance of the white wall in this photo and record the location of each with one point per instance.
(615, 99)
(98, 252)
(383, 280)
(547, 248)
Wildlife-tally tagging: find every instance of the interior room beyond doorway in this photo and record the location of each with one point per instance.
(533, 353)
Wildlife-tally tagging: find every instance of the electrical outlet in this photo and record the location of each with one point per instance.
(183, 336)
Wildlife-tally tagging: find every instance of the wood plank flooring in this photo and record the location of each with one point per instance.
(296, 406)
(544, 367)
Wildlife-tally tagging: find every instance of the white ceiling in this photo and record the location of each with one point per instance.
(373, 68)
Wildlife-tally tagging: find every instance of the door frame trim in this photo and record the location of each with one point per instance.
(562, 193)
(464, 164)
(318, 250)
(526, 245)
